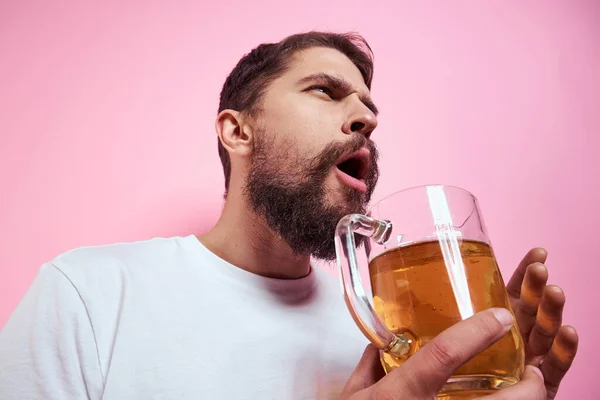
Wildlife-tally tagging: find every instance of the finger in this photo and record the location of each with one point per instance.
(532, 290)
(530, 387)
(367, 372)
(424, 374)
(547, 322)
(559, 359)
(534, 255)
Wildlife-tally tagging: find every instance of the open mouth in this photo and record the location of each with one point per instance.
(353, 169)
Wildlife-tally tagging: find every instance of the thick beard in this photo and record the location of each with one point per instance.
(294, 204)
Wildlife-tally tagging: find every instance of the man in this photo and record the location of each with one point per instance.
(238, 312)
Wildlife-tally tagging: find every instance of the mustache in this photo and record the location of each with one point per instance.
(328, 157)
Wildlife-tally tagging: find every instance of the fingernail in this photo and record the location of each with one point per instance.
(537, 371)
(503, 316)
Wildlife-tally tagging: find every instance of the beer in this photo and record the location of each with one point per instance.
(413, 293)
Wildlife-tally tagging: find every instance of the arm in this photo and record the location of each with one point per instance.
(47, 348)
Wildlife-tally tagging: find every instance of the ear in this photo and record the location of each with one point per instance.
(234, 133)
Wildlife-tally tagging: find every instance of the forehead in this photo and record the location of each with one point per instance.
(324, 60)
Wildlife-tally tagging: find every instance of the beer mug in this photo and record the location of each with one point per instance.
(430, 265)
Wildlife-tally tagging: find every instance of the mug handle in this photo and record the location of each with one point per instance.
(357, 301)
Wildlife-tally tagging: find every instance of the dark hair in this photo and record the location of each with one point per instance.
(246, 84)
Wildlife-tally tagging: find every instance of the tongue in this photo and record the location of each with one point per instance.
(351, 181)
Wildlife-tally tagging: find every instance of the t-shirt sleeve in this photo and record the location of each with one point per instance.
(47, 348)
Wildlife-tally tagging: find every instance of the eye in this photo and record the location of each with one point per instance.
(323, 89)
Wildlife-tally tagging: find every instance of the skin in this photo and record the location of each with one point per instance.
(538, 308)
(423, 375)
(305, 119)
(291, 105)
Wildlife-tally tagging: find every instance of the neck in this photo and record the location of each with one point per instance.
(242, 238)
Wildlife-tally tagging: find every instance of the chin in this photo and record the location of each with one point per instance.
(348, 204)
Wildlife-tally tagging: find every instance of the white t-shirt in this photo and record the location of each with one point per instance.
(168, 319)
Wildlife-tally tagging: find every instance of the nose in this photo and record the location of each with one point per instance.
(362, 121)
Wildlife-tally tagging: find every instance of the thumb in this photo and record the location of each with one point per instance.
(426, 372)
(368, 372)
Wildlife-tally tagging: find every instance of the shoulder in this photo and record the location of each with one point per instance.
(115, 269)
(120, 257)
(127, 252)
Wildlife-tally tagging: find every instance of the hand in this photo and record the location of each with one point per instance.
(424, 374)
(538, 309)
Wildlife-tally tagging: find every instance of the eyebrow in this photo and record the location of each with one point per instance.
(339, 84)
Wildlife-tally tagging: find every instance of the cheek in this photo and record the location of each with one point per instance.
(304, 123)
(318, 125)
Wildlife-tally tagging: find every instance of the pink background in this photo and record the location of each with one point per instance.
(107, 113)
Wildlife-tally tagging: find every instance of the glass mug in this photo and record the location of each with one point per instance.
(431, 265)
